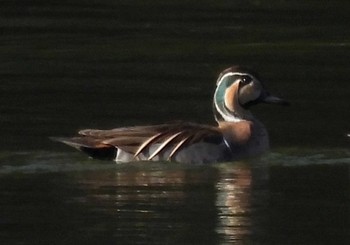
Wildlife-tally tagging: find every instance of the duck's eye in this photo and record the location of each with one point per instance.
(246, 80)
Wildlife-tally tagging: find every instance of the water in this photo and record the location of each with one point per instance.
(67, 65)
(66, 199)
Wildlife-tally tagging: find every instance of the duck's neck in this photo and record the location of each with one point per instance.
(222, 113)
(233, 113)
(239, 115)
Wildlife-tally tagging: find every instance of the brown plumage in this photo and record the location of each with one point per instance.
(138, 139)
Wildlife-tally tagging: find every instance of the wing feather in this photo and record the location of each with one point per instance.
(136, 140)
(146, 143)
(178, 146)
(164, 144)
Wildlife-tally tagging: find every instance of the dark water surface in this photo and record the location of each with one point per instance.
(67, 65)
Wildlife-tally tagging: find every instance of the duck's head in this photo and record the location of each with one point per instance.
(237, 89)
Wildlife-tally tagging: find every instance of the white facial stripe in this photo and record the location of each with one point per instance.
(220, 106)
(232, 74)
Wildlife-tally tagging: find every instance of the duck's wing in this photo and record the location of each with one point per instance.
(137, 140)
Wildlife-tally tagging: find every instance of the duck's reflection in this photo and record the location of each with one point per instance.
(209, 203)
(233, 203)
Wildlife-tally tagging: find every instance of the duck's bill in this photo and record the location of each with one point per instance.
(270, 99)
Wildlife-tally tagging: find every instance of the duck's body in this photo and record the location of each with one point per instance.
(179, 142)
(238, 134)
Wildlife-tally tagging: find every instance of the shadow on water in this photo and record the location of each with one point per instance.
(64, 198)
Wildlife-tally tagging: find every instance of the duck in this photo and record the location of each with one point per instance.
(237, 134)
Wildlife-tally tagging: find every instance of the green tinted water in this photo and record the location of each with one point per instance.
(279, 198)
(102, 64)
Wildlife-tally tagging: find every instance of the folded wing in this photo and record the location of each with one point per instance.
(137, 140)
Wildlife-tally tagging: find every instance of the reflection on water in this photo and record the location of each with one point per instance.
(157, 203)
(233, 202)
(62, 196)
(137, 203)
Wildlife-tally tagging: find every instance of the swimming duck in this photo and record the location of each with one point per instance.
(238, 133)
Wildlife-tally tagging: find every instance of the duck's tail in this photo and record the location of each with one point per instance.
(91, 147)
